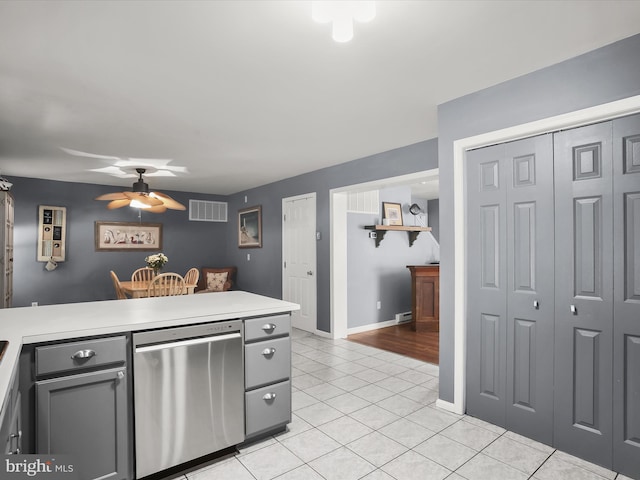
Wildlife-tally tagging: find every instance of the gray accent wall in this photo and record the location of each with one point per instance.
(600, 76)
(381, 274)
(84, 276)
(433, 212)
(262, 274)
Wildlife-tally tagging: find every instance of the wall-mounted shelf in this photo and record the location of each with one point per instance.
(381, 230)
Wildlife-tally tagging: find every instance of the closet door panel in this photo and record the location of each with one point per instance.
(584, 293)
(530, 295)
(626, 184)
(486, 284)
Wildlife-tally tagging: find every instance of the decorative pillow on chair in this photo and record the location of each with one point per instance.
(216, 281)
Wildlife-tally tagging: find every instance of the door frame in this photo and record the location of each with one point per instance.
(598, 113)
(338, 198)
(315, 248)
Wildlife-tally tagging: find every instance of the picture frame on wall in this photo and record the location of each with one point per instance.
(250, 227)
(392, 213)
(131, 236)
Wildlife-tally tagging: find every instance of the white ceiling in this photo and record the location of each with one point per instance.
(243, 93)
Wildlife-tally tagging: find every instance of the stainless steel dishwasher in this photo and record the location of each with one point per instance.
(189, 393)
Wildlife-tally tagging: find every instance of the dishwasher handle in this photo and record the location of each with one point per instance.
(187, 343)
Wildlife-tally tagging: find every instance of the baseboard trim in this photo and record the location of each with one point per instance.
(448, 406)
(371, 326)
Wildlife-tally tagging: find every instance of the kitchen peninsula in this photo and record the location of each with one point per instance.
(55, 351)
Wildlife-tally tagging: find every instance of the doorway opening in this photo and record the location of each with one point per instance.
(347, 289)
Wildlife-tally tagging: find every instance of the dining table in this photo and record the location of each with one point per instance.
(140, 288)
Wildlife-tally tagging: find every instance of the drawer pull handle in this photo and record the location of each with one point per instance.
(81, 354)
(268, 351)
(269, 327)
(16, 435)
(15, 452)
(269, 396)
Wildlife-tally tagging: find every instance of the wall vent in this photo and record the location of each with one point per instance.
(403, 317)
(206, 211)
(364, 202)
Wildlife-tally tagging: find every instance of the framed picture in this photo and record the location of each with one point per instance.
(250, 227)
(117, 236)
(393, 213)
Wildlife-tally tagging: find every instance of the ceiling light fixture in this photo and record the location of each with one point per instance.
(342, 14)
(141, 197)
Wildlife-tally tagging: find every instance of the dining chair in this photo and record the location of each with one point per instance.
(120, 295)
(192, 276)
(144, 274)
(165, 285)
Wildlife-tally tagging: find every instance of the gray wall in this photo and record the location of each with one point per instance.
(604, 75)
(433, 211)
(263, 273)
(84, 276)
(381, 274)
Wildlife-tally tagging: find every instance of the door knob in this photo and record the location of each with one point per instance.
(574, 310)
(309, 272)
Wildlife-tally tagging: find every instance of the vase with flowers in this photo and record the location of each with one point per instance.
(156, 261)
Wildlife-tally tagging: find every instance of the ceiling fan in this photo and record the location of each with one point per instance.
(141, 197)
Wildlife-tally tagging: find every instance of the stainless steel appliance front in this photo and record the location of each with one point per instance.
(189, 393)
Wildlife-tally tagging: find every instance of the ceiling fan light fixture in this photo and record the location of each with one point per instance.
(138, 204)
(141, 197)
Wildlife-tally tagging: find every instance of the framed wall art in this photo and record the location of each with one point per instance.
(117, 236)
(392, 213)
(250, 227)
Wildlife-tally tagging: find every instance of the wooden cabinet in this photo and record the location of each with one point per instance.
(425, 297)
(6, 246)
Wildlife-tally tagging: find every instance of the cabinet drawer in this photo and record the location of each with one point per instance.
(268, 407)
(267, 362)
(67, 357)
(266, 327)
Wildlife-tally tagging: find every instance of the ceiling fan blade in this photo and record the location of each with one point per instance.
(156, 209)
(118, 203)
(168, 201)
(112, 196)
(144, 199)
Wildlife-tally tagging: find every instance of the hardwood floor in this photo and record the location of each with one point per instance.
(401, 339)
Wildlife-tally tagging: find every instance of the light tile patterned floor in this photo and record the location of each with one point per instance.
(364, 413)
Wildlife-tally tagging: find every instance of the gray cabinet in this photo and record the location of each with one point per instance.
(82, 409)
(267, 361)
(11, 421)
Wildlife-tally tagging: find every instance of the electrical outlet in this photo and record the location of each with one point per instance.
(378, 305)
(248, 257)
(245, 199)
(34, 304)
(373, 235)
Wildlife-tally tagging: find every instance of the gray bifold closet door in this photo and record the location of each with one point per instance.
(568, 373)
(584, 293)
(510, 286)
(626, 296)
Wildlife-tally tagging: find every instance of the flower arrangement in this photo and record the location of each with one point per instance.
(156, 261)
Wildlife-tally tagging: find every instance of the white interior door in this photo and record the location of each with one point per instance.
(299, 283)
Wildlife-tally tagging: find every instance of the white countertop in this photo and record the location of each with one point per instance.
(74, 320)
